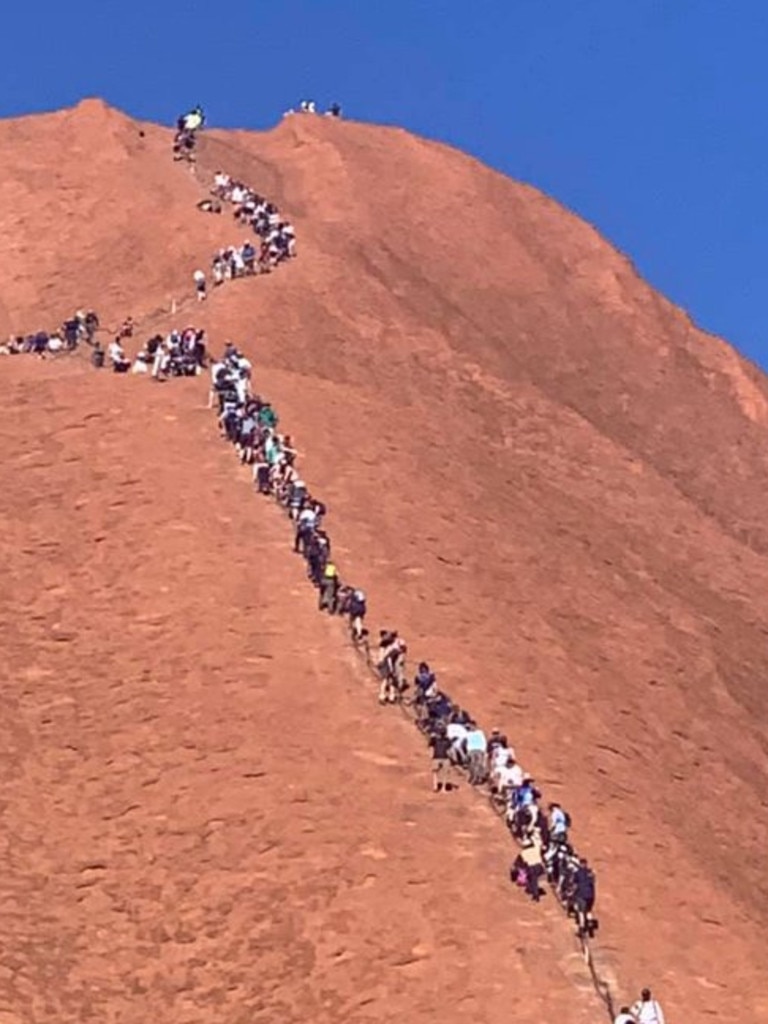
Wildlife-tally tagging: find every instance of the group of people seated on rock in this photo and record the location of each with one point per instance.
(181, 353)
(80, 327)
(276, 236)
(310, 107)
(185, 139)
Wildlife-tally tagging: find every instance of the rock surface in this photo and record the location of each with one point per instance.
(540, 471)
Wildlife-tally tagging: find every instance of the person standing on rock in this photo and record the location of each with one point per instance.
(477, 752)
(440, 746)
(201, 288)
(646, 1010)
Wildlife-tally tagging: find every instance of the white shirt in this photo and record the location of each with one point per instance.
(455, 732)
(199, 276)
(648, 1012)
(307, 518)
(510, 775)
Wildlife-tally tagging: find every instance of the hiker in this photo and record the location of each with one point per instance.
(193, 121)
(391, 665)
(356, 610)
(424, 683)
(440, 746)
(120, 364)
(559, 823)
(624, 1016)
(528, 869)
(506, 777)
(457, 734)
(476, 752)
(583, 901)
(200, 285)
(646, 1010)
(97, 356)
(334, 110)
(305, 524)
(329, 588)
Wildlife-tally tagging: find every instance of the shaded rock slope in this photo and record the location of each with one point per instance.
(540, 471)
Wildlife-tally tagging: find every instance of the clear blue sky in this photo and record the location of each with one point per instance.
(645, 116)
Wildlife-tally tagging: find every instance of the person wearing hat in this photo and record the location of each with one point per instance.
(646, 1010)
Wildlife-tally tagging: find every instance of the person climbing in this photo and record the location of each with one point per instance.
(192, 121)
(334, 110)
(583, 902)
(424, 683)
(646, 1010)
(559, 823)
(624, 1016)
(477, 753)
(97, 356)
(391, 666)
(201, 288)
(357, 611)
(440, 746)
(305, 525)
(528, 868)
(329, 587)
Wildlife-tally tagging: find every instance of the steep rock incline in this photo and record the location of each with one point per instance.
(204, 811)
(542, 473)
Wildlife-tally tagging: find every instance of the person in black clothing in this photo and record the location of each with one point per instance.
(583, 894)
(440, 746)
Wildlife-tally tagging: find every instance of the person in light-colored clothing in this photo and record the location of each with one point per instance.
(476, 751)
(646, 1010)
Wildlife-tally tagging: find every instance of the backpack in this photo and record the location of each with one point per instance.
(567, 817)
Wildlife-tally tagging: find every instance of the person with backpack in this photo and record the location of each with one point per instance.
(559, 823)
(646, 1010)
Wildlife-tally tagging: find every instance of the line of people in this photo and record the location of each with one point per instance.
(250, 423)
(456, 741)
(275, 237)
(185, 139)
(80, 327)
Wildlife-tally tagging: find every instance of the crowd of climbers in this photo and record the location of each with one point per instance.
(456, 741)
(185, 139)
(274, 237)
(81, 327)
(310, 107)
(249, 422)
(181, 353)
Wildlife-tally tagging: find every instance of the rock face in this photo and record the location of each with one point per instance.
(541, 472)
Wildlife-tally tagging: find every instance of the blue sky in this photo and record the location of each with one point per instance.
(645, 116)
